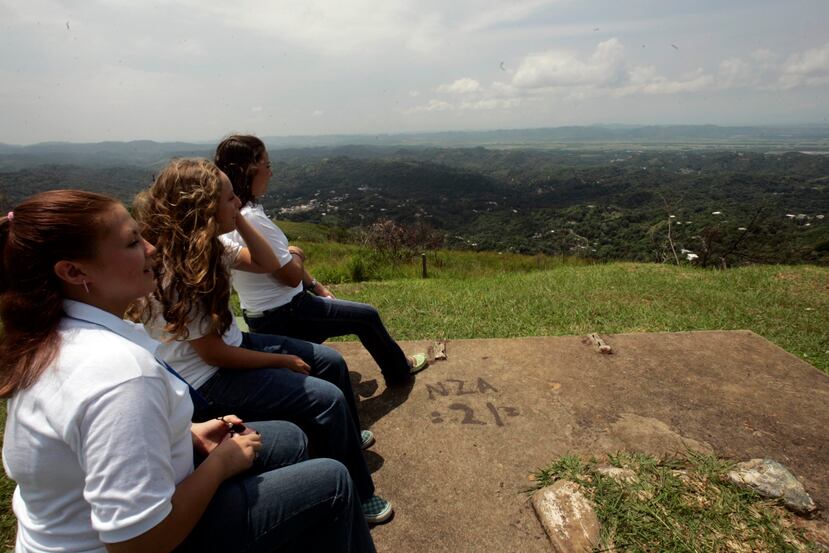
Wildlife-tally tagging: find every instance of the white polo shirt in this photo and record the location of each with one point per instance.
(98, 444)
(257, 291)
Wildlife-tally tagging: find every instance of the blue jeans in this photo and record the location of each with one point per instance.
(322, 405)
(309, 317)
(283, 503)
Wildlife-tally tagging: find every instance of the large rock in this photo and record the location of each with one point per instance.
(771, 479)
(567, 517)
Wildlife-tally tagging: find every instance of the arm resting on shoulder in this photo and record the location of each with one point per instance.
(257, 257)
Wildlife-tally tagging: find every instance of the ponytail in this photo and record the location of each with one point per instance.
(46, 228)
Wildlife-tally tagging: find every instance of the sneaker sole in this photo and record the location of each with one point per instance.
(383, 516)
(369, 443)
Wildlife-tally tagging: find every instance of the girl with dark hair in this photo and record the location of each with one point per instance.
(289, 301)
(256, 376)
(98, 434)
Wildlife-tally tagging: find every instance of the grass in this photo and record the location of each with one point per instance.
(678, 505)
(335, 263)
(788, 305)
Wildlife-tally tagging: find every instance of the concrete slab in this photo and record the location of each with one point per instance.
(455, 450)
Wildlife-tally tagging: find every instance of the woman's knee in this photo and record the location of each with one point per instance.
(325, 392)
(332, 475)
(330, 358)
(283, 443)
(370, 313)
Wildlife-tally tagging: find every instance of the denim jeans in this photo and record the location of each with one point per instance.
(322, 405)
(283, 503)
(309, 317)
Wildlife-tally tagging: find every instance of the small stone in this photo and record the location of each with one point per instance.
(567, 517)
(617, 474)
(771, 479)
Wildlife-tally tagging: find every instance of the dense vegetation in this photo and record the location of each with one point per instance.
(724, 207)
(743, 206)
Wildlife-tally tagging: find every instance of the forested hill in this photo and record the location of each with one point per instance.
(607, 205)
(616, 203)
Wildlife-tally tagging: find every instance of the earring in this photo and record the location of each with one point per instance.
(85, 287)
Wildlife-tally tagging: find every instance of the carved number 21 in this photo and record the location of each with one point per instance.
(469, 414)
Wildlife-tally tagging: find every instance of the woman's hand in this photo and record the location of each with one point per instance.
(297, 251)
(236, 454)
(209, 434)
(323, 292)
(296, 364)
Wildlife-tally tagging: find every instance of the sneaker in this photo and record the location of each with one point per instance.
(418, 362)
(366, 439)
(377, 510)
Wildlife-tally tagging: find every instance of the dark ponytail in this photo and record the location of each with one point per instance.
(44, 229)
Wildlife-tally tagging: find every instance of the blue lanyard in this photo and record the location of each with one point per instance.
(199, 401)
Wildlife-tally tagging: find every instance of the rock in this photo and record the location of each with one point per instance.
(567, 517)
(771, 479)
(618, 474)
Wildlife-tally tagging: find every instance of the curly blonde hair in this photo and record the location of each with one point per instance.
(178, 215)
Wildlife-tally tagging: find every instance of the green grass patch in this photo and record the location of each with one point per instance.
(336, 263)
(310, 232)
(788, 305)
(677, 505)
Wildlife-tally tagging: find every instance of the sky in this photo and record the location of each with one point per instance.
(196, 70)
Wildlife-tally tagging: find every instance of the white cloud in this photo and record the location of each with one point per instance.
(649, 82)
(461, 86)
(317, 113)
(807, 68)
(604, 67)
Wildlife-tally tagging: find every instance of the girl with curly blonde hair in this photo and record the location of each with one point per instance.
(257, 376)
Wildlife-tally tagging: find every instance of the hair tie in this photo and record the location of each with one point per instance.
(10, 215)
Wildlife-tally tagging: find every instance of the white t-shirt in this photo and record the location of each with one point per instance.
(257, 291)
(98, 444)
(180, 354)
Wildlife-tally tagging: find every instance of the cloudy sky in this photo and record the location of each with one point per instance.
(90, 70)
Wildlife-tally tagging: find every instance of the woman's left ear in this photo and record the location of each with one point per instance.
(70, 272)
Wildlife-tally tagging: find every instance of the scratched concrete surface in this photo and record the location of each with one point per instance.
(455, 450)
